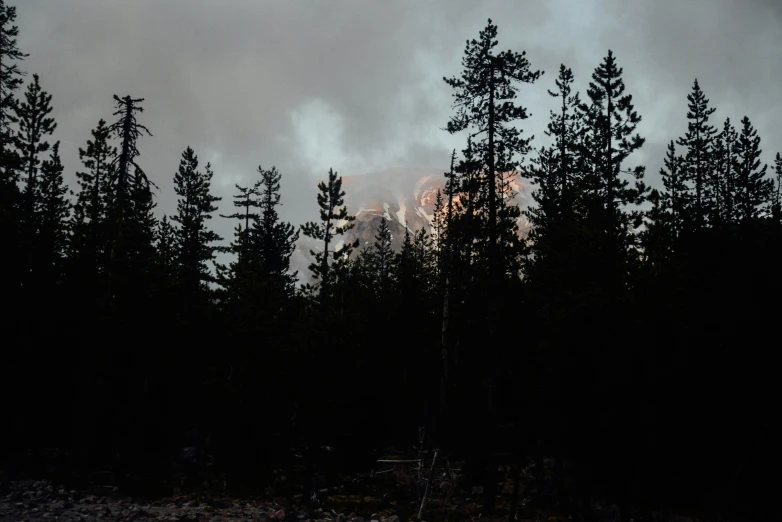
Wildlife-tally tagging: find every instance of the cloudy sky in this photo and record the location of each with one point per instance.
(357, 85)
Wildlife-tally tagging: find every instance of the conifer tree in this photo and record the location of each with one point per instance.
(54, 216)
(88, 244)
(143, 220)
(334, 221)
(776, 209)
(753, 189)
(545, 174)
(675, 200)
(406, 273)
(484, 102)
(382, 258)
(128, 131)
(563, 127)
(612, 139)
(14, 260)
(699, 149)
(130, 199)
(714, 182)
(728, 174)
(195, 241)
(35, 125)
(275, 239)
(239, 278)
(10, 80)
(166, 250)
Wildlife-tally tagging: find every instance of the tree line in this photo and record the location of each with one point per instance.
(627, 337)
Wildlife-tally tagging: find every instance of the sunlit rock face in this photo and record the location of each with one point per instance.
(405, 197)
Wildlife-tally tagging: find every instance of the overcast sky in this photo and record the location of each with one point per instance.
(357, 85)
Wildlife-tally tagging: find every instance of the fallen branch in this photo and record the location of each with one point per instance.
(400, 461)
(428, 482)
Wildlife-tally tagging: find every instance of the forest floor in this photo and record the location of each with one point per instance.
(391, 493)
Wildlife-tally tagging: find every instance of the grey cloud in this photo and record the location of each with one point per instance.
(357, 85)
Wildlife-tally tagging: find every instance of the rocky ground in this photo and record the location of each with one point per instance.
(387, 496)
(28, 501)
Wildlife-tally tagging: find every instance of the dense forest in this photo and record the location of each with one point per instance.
(628, 338)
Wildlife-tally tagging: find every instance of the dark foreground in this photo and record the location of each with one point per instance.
(390, 494)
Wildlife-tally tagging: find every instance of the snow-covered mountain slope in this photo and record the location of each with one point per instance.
(405, 197)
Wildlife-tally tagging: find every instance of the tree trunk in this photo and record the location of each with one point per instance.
(490, 487)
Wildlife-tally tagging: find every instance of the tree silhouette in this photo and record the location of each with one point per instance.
(35, 125)
(54, 211)
(334, 221)
(699, 150)
(753, 189)
(194, 240)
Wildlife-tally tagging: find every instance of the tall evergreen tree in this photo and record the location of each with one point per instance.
(728, 182)
(88, 244)
(128, 130)
(53, 210)
(10, 80)
(563, 127)
(613, 121)
(128, 236)
(14, 260)
(195, 241)
(675, 202)
(334, 221)
(699, 150)
(382, 259)
(239, 278)
(484, 101)
(776, 208)
(35, 125)
(166, 251)
(753, 189)
(275, 239)
(144, 223)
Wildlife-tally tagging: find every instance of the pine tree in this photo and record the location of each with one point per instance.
(675, 201)
(753, 189)
(714, 182)
(275, 239)
(728, 181)
(130, 199)
(14, 259)
(144, 224)
(382, 259)
(239, 279)
(406, 273)
(34, 126)
(563, 127)
(699, 146)
(10, 80)
(776, 209)
(128, 131)
(53, 209)
(166, 251)
(483, 99)
(334, 221)
(612, 123)
(484, 102)
(195, 241)
(88, 245)
(544, 215)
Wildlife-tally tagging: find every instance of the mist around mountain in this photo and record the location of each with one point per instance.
(405, 197)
